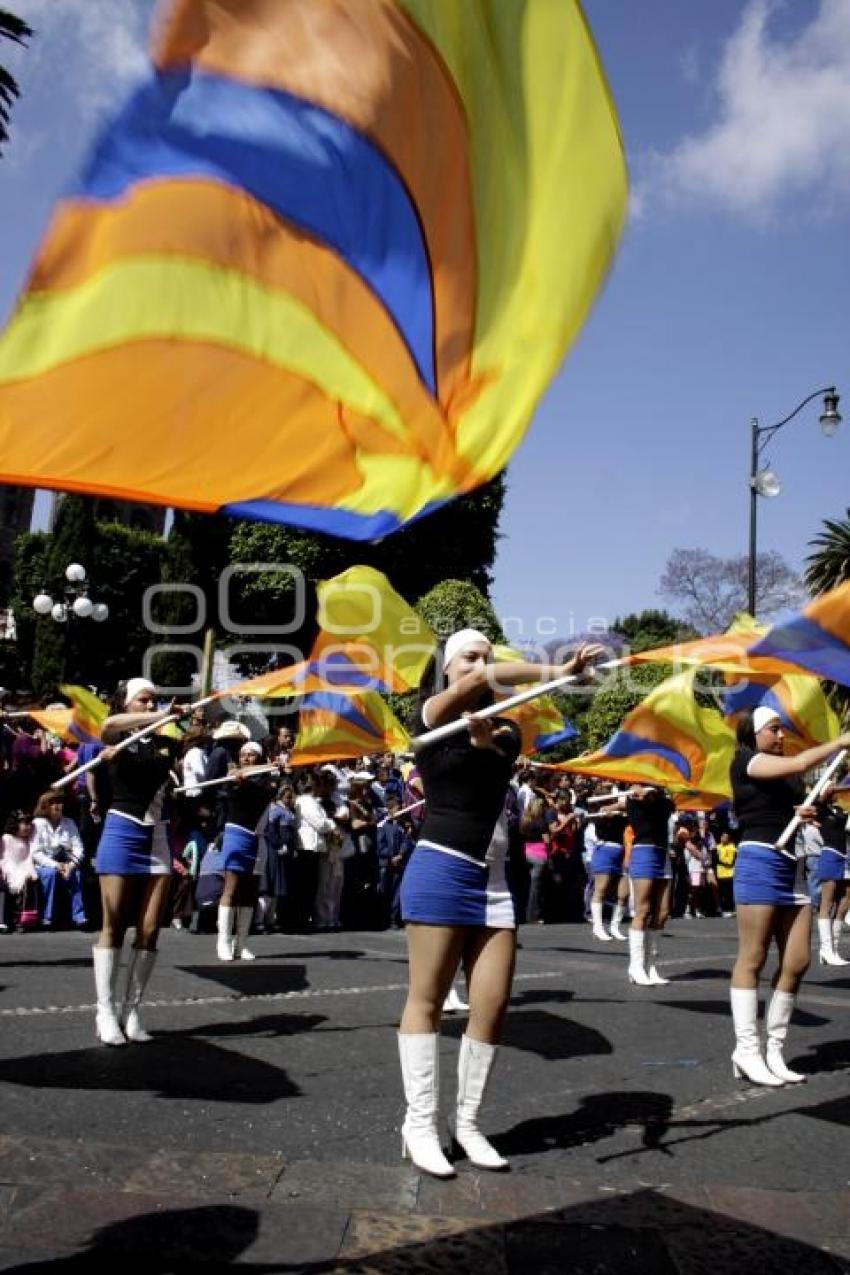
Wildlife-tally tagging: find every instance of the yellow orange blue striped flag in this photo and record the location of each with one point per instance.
(324, 263)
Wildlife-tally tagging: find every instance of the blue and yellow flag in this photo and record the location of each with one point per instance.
(799, 703)
(335, 727)
(671, 741)
(542, 723)
(817, 639)
(88, 713)
(369, 639)
(324, 263)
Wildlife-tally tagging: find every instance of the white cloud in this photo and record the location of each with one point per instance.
(782, 123)
(89, 50)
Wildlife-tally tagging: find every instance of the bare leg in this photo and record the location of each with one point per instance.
(601, 886)
(230, 888)
(150, 911)
(642, 919)
(793, 938)
(489, 959)
(434, 952)
(119, 898)
(756, 923)
(828, 892)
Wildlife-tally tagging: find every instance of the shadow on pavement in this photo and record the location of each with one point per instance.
(250, 978)
(547, 1035)
(802, 1017)
(644, 1233)
(598, 1116)
(171, 1066)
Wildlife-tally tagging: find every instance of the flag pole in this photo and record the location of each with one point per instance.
(398, 813)
(819, 787)
(224, 779)
(131, 739)
(503, 706)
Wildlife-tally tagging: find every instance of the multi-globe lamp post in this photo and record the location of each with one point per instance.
(764, 482)
(75, 603)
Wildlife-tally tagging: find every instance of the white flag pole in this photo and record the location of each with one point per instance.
(224, 779)
(404, 810)
(502, 706)
(131, 739)
(819, 787)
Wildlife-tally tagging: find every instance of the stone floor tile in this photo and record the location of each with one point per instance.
(347, 1185)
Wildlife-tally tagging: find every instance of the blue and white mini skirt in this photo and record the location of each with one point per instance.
(129, 848)
(239, 849)
(831, 864)
(441, 886)
(607, 859)
(765, 875)
(648, 863)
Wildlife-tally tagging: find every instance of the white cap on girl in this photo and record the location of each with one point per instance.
(135, 686)
(762, 716)
(461, 641)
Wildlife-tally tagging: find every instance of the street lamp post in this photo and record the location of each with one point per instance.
(764, 482)
(77, 604)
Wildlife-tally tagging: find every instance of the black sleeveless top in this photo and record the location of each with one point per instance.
(650, 818)
(763, 807)
(610, 828)
(465, 787)
(247, 801)
(138, 776)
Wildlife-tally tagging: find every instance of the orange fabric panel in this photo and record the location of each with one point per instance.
(368, 63)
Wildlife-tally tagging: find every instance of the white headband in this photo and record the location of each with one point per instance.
(135, 686)
(762, 715)
(251, 746)
(460, 641)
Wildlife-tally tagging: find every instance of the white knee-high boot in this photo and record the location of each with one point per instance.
(138, 974)
(747, 1059)
(779, 1013)
(652, 963)
(599, 931)
(826, 936)
(107, 963)
(226, 918)
(616, 919)
(419, 1053)
(244, 917)
(637, 958)
(473, 1073)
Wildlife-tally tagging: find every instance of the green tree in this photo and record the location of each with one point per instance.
(829, 564)
(11, 28)
(644, 630)
(125, 564)
(622, 692)
(58, 651)
(29, 574)
(457, 604)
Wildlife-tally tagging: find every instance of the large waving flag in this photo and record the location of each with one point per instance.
(88, 713)
(542, 723)
(671, 741)
(815, 640)
(369, 639)
(348, 242)
(335, 727)
(798, 701)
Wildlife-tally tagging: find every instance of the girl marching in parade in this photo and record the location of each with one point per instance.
(133, 862)
(648, 811)
(766, 791)
(832, 864)
(247, 798)
(455, 898)
(606, 866)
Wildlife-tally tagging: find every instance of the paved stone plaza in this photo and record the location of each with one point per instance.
(261, 1126)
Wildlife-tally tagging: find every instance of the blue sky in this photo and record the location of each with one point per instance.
(728, 298)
